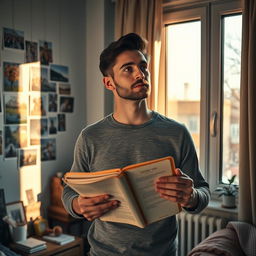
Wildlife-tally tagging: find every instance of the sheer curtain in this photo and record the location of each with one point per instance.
(247, 166)
(143, 17)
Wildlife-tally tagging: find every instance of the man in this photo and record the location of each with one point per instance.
(133, 134)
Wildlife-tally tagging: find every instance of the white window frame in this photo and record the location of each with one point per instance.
(209, 12)
(215, 161)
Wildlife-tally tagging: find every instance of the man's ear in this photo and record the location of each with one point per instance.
(108, 82)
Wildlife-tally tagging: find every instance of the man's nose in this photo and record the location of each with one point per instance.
(139, 74)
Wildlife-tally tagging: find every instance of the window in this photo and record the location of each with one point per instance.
(183, 41)
(203, 54)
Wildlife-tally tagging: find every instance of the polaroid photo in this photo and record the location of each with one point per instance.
(59, 73)
(35, 77)
(38, 105)
(31, 54)
(44, 79)
(16, 108)
(44, 127)
(27, 157)
(53, 125)
(11, 72)
(52, 102)
(30, 196)
(24, 77)
(45, 49)
(13, 39)
(64, 89)
(48, 149)
(61, 122)
(11, 141)
(35, 131)
(66, 104)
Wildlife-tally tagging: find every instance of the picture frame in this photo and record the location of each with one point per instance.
(16, 210)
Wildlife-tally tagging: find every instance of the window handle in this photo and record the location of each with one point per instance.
(213, 124)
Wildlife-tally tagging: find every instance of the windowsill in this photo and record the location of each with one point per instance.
(214, 208)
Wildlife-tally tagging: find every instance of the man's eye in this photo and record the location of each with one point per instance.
(128, 69)
(144, 68)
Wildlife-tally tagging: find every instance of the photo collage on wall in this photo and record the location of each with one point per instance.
(35, 100)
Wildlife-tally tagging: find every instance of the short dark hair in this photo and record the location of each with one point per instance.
(130, 41)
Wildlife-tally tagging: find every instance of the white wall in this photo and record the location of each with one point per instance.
(63, 23)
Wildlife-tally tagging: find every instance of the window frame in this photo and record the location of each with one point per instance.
(178, 16)
(210, 13)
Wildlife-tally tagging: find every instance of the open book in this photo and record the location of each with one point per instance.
(133, 186)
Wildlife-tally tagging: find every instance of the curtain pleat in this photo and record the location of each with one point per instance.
(247, 155)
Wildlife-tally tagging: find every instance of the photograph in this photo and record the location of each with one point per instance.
(66, 104)
(53, 125)
(61, 122)
(27, 157)
(16, 108)
(37, 105)
(16, 211)
(48, 149)
(64, 89)
(1, 142)
(11, 77)
(35, 131)
(51, 87)
(24, 77)
(44, 127)
(52, 102)
(13, 38)
(44, 79)
(15, 136)
(45, 49)
(30, 196)
(58, 73)
(31, 51)
(35, 77)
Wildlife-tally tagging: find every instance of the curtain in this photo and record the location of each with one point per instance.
(143, 17)
(247, 155)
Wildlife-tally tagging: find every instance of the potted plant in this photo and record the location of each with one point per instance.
(228, 193)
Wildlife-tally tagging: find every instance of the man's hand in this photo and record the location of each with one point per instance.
(179, 189)
(94, 207)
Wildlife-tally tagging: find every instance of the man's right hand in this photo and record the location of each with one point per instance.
(93, 207)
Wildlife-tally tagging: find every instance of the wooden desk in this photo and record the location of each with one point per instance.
(74, 248)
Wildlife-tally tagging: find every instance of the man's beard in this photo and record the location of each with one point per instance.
(128, 94)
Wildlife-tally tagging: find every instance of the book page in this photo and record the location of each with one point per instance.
(111, 186)
(142, 179)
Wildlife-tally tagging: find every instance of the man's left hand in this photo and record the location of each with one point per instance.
(179, 189)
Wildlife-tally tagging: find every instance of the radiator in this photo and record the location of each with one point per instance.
(193, 228)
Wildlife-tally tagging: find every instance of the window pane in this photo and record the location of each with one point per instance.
(184, 75)
(232, 30)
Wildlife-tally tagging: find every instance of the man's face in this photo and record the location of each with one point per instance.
(131, 76)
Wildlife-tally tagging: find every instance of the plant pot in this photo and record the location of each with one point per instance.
(228, 201)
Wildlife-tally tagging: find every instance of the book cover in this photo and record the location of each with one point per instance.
(61, 239)
(30, 243)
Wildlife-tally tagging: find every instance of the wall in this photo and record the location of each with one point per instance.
(61, 22)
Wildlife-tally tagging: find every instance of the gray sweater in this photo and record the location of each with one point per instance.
(108, 144)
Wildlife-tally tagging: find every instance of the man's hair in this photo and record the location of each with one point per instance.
(108, 56)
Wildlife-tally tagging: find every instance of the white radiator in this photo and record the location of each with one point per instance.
(195, 228)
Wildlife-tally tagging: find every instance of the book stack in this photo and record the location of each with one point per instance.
(61, 240)
(31, 245)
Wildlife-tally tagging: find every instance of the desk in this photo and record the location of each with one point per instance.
(74, 248)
